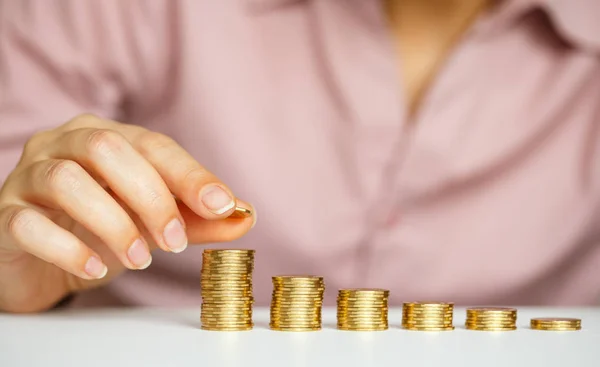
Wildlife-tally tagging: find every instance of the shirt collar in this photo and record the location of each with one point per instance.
(576, 21)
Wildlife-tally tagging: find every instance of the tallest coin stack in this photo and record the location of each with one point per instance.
(226, 283)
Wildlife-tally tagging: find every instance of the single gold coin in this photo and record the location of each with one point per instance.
(442, 328)
(240, 212)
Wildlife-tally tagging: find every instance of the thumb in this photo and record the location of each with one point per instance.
(201, 231)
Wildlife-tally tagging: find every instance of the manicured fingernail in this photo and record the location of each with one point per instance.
(139, 255)
(95, 268)
(216, 199)
(175, 236)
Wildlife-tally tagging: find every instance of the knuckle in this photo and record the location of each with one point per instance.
(84, 120)
(150, 141)
(194, 178)
(19, 220)
(33, 145)
(155, 200)
(103, 142)
(62, 174)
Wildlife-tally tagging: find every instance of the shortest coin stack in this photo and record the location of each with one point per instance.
(491, 319)
(226, 283)
(297, 303)
(362, 309)
(556, 324)
(427, 316)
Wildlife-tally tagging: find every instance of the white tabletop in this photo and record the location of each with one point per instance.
(162, 337)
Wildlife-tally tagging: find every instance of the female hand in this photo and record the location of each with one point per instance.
(94, 197)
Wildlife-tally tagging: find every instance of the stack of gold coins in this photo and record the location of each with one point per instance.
(491, 319)
(427, 316)
(556, 324)
(362, 309)
(297, 303)
(226, 283)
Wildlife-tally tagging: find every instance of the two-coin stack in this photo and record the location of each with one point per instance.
(491, 319)
(226, 282)
(427, 316)
(362, 309)
(297, 303)
(556, 324)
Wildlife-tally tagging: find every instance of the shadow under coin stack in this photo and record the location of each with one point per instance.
(297, 303)
(491, 319)
(226, 283)
(556, 324)
(362, 309)
(427, 316)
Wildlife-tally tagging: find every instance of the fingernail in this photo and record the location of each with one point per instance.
(139, 255)
(175, 236)
(216, 199)
(254, 217)
(95, 268)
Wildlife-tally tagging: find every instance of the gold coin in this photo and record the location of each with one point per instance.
(427, 314)
(493, 328)
(292, 297)
(362, 314)
(229, 291)
(227, 277)
(226, 310)
(226, 319)
(362, 326)
(216, 328)
(225, 322)
(228, 251)
(432, 304)
(294, 323)
(363, 292)
(294, 314)
(414, 328)
(297, 302)
(240, 212)
(555, 320)
(299, 318)
(297, 323)
(445, 319)
(360, 302)
(439, 313)
(491, 309)
(228, 300)
(299, 329)
(492, 316)
(208, 267)
(362, 320)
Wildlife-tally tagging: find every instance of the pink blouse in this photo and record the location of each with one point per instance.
(490, 194)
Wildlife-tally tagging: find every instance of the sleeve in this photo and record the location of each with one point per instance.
(61, 58)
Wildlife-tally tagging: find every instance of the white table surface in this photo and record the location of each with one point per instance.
(172, 337)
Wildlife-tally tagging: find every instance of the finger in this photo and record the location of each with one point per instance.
(109, 155)
(28, 230)
(65, 185)
(197, 187)
(201, 231)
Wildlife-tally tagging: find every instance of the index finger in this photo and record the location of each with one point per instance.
(187, 179)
